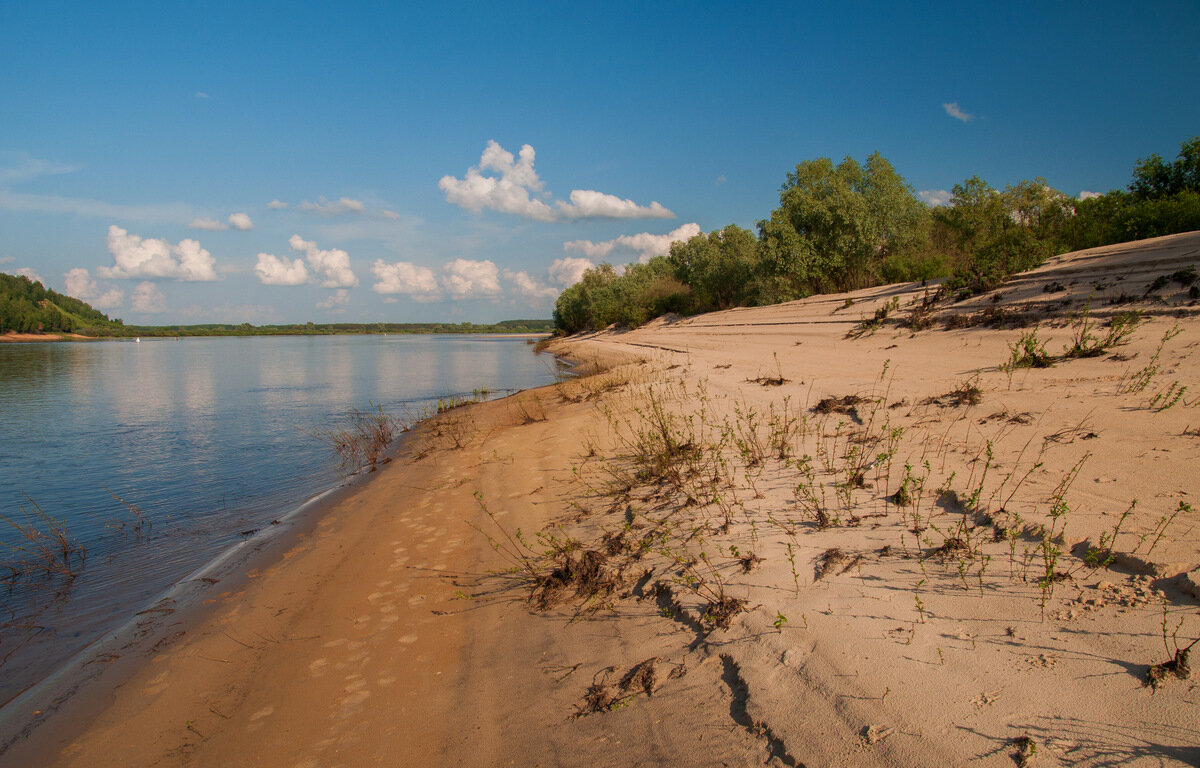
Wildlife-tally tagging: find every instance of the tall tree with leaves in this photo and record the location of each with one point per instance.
(836, 225)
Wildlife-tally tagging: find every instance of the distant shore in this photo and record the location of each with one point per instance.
(12, 337)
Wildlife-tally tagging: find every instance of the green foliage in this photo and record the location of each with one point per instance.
(853, 225)
(26, 306)
(836, 225)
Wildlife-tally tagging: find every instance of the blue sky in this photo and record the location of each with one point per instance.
(363, 161)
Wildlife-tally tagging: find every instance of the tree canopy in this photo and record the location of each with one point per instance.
(852, 225)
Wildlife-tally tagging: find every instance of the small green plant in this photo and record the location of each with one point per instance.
(1178, 663)
(1027, 352)
(1138, 381)
(780, 621)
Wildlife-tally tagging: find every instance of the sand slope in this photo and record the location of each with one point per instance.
(725, 574)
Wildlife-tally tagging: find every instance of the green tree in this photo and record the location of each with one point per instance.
(844, 222)
(718, 267)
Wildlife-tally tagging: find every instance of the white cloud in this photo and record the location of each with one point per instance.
(645, 244)
(212, 225)
(82, 286)
(28, 272)
(336, 208)
(459, 279)
(16, 167)
(720, 180)
(588, 204)
(273, 270)
(954, 111)
(529, 288)
(509, 192)
(153, 257)
(277, 205)
(568, 271)
(467, 279)
(148, 298)
(6, 259)
(202, 95)
(419, 283)
(339, 298)
(240, 221)
(935, 197)
(334, 263)
(1086, 195)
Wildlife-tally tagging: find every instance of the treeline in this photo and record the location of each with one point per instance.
(26, 306)
(853, 225)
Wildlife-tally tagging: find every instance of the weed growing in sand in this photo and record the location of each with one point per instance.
(362, 437)
(1178, 663)
(1027, 352)
(1055, 534)
(1085, 342)
(1138, 381)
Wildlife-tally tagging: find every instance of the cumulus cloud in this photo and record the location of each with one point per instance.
(457, 279)
(468, 279)
(508, 193)
(569, 270)
(333, 264)
(529, 288)
(240, 221)
(419, 283)
(935, 197)
(339, 298)
(277, 205)
(151, 257)
(83, 286)
(956, 112)
(273, 270)
(588, 204)
(1086, 195)
(338, 207)
(645, 244)
(512, 181)
(148, 298)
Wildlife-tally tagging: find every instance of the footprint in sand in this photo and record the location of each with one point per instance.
(266, 711)
(350, 705)
(416, 600)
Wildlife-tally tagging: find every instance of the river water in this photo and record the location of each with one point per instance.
(154, 457)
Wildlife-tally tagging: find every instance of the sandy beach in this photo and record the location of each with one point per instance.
(851, 530)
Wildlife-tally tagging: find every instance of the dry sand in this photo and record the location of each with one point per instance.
(711, 603)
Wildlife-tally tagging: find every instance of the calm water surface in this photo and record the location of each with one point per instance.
(208, 438)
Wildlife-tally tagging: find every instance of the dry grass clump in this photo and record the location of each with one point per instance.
(362, 438)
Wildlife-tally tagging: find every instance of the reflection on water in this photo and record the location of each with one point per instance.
(207, 437)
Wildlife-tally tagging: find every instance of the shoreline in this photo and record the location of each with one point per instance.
(786, 535)
(74, 689)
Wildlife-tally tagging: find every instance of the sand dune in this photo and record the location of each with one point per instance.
(800, 534)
